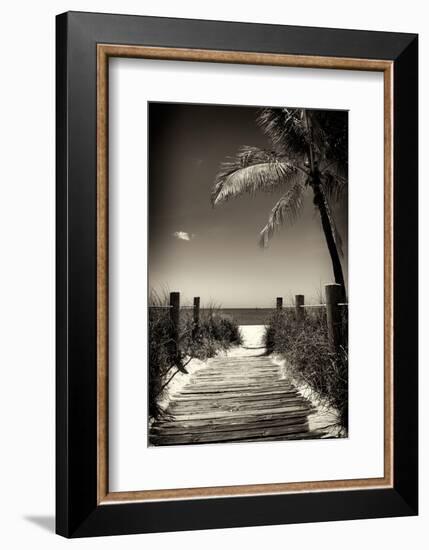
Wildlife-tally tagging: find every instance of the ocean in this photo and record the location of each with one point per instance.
(248, 316)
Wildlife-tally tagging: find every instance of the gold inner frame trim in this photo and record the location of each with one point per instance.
(104, 52)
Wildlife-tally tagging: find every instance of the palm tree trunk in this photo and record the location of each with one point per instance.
(319, 201)
(329, 236)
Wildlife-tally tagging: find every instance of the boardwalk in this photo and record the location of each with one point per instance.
(240, 397)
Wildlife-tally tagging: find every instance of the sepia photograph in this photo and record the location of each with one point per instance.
(247, 274)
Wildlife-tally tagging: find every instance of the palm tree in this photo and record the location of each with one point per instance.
(309, 151)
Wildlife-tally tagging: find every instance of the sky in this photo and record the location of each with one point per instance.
(211, 252)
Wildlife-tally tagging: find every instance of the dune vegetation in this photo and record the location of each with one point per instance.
(305, 345)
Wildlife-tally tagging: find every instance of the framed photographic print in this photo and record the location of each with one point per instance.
(236, 274)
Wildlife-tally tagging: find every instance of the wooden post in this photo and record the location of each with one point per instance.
(196, 315)
(334, 296)
(279, 302)
(175, 319)
(299, 301)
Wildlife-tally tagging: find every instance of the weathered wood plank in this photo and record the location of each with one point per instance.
(177, 407)
(229, 422)
(191, 428)
(235, 399)
(213, 437)
(236, 387)
(214, 414)
(252, 390)
(231, 396)
(292, 437)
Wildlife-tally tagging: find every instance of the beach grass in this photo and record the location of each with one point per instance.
(304, 344)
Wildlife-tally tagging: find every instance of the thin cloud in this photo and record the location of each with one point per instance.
(183, 235)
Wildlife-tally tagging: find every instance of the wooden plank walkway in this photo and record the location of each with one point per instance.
(235, 399)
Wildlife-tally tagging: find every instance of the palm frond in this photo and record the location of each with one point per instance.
(286, 128)
(287, 209)
(292, 131)
(334, 183)
(252, 170)
(330, 133)
(335, 233)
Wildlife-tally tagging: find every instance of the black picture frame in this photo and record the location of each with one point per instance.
(77, 512)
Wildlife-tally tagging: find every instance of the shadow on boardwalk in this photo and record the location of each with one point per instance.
(242, 396)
